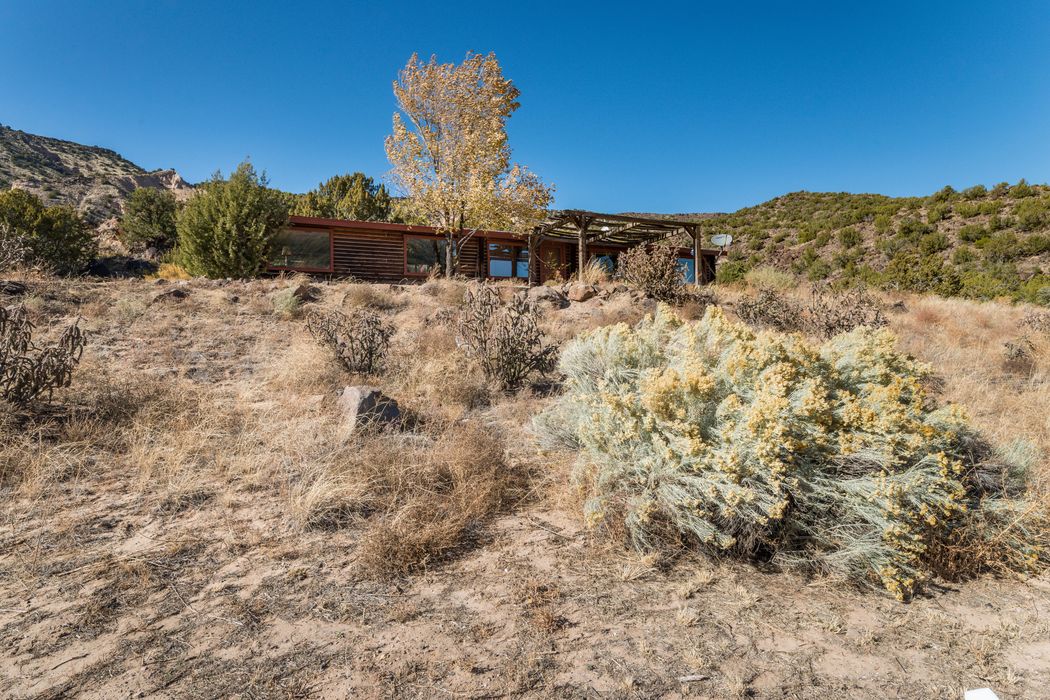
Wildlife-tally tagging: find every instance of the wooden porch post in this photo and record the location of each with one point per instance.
(698, 263)
(581, 253)
(534, 249)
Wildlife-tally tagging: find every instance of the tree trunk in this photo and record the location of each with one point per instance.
(449, 240)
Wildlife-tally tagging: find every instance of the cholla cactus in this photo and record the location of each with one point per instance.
(503, 338)
(359, 340)
(754, 443)
(29, 371)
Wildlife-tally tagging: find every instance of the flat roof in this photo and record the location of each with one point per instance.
(565, 225)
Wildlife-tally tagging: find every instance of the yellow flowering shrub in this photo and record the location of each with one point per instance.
(762, 445)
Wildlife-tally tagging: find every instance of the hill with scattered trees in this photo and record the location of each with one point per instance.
(979, 243)
(93, 180)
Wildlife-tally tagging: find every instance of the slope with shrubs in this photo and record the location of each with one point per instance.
(194, 517)
(977, 243)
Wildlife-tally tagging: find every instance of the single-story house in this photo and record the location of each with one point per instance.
(376, 251)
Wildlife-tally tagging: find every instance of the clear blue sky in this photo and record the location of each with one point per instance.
(645, 107)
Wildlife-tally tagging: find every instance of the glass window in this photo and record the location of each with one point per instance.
(300, 249)
(688, 269)
(508, 260)
(521, 266)
(499, 268)
(424, 255)
(607, 262)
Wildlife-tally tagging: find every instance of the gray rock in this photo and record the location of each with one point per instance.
(12, 288)
(172, 294)
(305, 293)
(547, 295)
(581, 292)
(368, 407)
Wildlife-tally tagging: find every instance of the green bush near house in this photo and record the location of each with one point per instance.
(731, 271)
(849, 237)
(148, 220)
(1032, 214)
(227, 228)
(1022, 189)
(972, 232)
(933, 243)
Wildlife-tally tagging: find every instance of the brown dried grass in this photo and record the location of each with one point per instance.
(433, 495)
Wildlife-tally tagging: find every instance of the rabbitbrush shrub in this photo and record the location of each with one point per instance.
(764, 446)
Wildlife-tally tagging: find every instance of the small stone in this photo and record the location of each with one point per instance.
(581, 292)
(176, 293)
(305, 293)
(547, 295)
(12, 288)
(366, 406)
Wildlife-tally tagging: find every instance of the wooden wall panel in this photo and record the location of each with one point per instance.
(372, 256)
(379, 256)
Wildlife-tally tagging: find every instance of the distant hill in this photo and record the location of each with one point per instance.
(94, 180)
(979, 243)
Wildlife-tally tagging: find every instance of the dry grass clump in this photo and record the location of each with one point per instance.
(763, 446)
(430, 374)
(964, 341)
(420, 495)
(764, 277)
(170, 271)
(372, 296)
(449, 292)
(594, 273)
(433, 496)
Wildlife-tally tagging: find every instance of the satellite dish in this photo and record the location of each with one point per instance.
(721, 240)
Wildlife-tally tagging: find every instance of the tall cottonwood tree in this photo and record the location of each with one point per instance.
(450, 154)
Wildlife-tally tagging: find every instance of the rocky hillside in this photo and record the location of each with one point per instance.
(979, 243)
(92, 179)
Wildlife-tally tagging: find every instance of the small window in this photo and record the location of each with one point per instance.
(424, 255)
(688, 268)
(521, 264)
(607, 262)
(501, 260)
(300, 249)
(508, 260)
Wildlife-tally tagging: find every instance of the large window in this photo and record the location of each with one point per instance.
(424, 255)
(303, 249)
(508, 260)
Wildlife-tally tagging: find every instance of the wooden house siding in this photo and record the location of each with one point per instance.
(376, 251)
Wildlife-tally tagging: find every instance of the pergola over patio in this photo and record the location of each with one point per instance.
(587, 227)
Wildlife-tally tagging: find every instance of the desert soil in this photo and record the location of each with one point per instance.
(114, 586)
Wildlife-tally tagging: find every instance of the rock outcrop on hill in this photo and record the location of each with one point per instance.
(93, 180)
